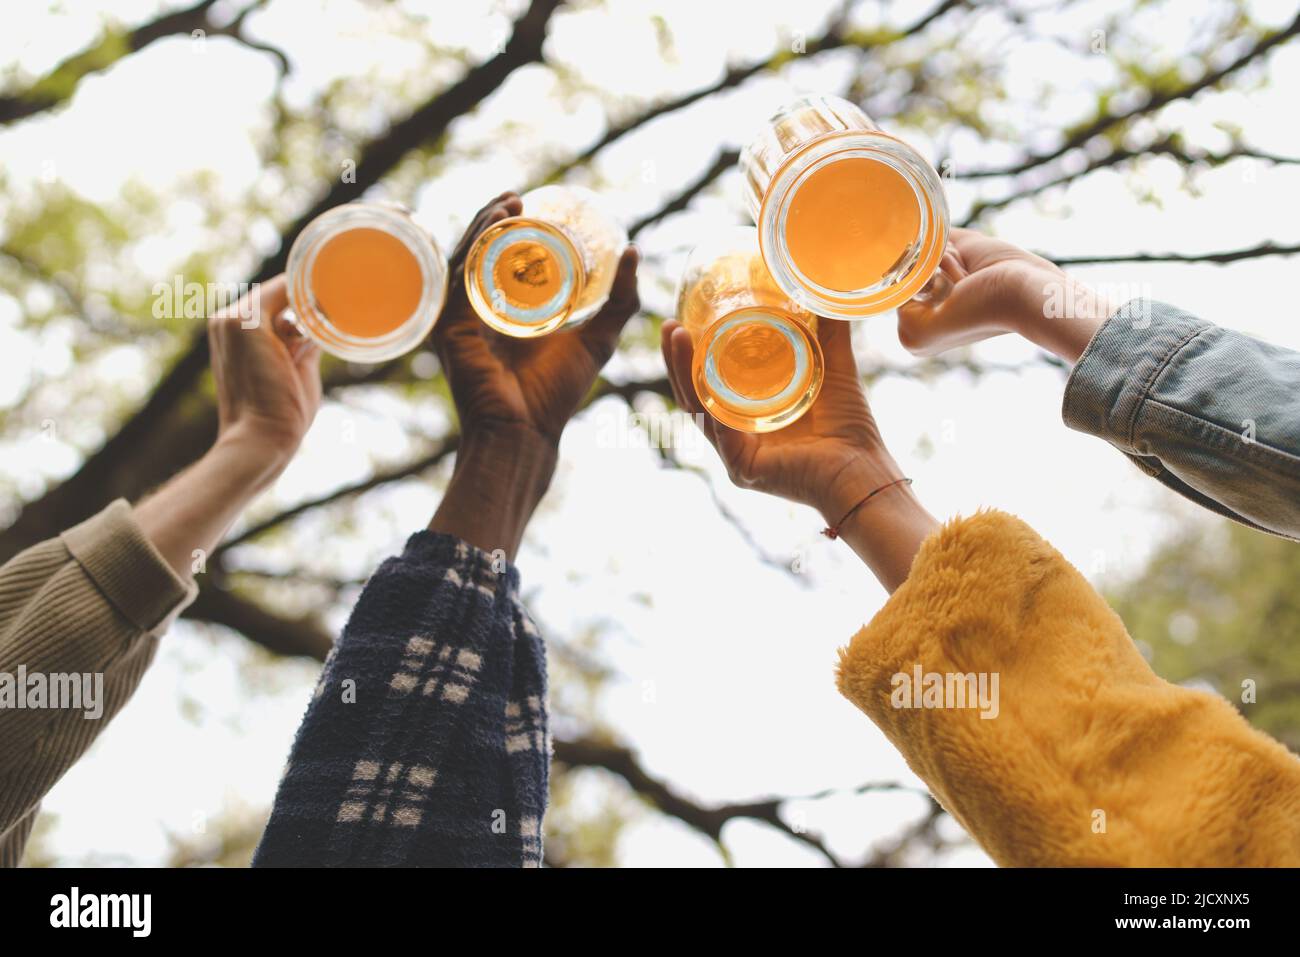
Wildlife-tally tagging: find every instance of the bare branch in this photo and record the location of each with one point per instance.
(707, 820)
(836, 37)
(425, 462)
(726, 159)
(1154, 101)
(445, 447)
(1166, 147)
(293, 637)
(627, 391)
(957, 362)
(670, 459)
(58, 85)
(1230, 256)
(710, 820)
(235, 30)
(925, 829)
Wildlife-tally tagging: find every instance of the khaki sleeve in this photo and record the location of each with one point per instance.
(1083, 756)
(80, 617)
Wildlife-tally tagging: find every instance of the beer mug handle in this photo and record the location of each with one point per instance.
(289, 318)
(935, 291)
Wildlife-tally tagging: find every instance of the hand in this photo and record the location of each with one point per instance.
(514, 397)
(501, 383)
(998, 288)
(268, 391)
(830, 458)
(824, 458)
(268, 376)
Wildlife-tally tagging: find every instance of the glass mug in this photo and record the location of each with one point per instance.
(851, 221)
(553, 265)
(758, 365)
(366, 283)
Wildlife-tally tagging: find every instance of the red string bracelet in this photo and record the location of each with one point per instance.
(834, 531)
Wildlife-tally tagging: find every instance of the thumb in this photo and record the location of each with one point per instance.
(600, 334)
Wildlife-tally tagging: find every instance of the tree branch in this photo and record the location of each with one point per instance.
(1169, 146)
(292, 637)
(445, 447)
(670, 459)
(427, 461)
(726, 159)
(59, 84)
(707, 820)
(891, 855)
(102, 319)
(835, 38)
(1269, 248)
(1154, 101)
(710, 820)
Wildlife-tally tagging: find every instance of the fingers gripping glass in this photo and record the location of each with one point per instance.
(757, 365)
(551, 266)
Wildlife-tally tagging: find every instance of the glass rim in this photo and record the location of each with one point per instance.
(822, 151)
(838, 106)
(313, 321)
(477, 283)
(795, 398)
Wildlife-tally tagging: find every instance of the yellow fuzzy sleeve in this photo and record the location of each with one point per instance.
(1085, 757)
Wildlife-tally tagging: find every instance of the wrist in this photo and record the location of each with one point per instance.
(499, 478)
(862, 473)
(1061, 314)
(247, 460)
(512, 460)
(885, 530)
(187, 516)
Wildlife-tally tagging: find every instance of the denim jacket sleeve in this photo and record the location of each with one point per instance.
(1211, 413)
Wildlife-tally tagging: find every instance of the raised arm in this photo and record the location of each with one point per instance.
(1211, 413)
(85, 610)
(1004, 679)
(426, 741)
(1015, 693)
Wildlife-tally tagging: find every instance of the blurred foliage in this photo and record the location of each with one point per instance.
(1220, 605)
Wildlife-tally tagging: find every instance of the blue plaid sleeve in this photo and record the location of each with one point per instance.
(426, 741)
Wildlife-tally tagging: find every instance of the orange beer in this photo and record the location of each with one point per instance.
(551, 266)
(365, 282)
(757, 365)
(851, 221)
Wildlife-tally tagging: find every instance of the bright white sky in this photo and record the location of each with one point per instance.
(726, 663)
